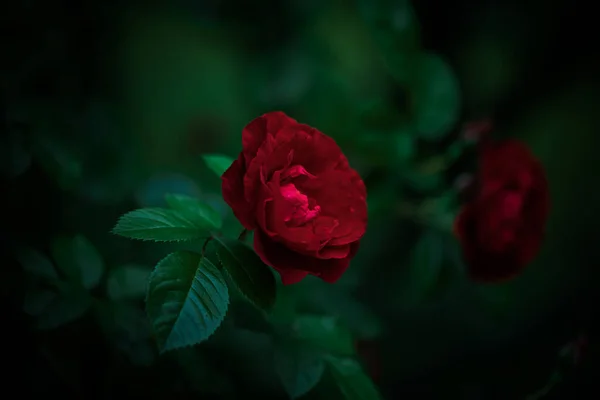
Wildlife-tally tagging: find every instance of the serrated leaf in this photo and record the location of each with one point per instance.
(424, 267)
(127, 282)
(435, 94)
(36, 301)
(194, 209)
(217, 163)
(78, 259)
(251, 276)
(187, 300)
(324, 332)
(351, 379)
(36, 264)
(299, 367)
(70, 304)
(160, 225)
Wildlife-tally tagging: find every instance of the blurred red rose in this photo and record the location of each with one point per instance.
(502, 227)
(294, 187)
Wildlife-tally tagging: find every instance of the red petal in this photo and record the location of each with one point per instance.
(291, 265)
(255, 133)
(341, 195)
(232, 187)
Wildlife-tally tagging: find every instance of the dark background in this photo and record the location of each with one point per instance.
(128, 94)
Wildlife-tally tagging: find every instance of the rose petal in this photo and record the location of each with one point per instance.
(255, 133)
(286, 261)
(232, 187)
(342, 196)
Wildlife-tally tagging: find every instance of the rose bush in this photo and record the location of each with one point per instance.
(293, 186)
(501, 228)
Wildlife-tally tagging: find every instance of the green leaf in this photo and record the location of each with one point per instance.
(251, 276)
(36, 301)
(70, 304)
(160, 225)
(351, 379)
(194, 209)
(36, 264)
(127, 282)
(299, 367)
(218, 163)
(187, 300)
(284, 309)
(425, 267)
(324, 332)
(79, 260)
(435, 97)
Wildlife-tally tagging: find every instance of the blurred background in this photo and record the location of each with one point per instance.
(109, 105)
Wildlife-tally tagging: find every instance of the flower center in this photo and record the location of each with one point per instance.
(301, 209)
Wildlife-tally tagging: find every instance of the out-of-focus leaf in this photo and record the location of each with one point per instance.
(187, 300)
(160, 225)
(79, 260)
(127, 282)
(59, 161)
(128, 328)
(324, 332)
(386, 148)
(70, 304)
(218, 163)
(252, 277)
(36, 264)
(350, 312)
(299, 367)
(424, 267)
(194, 209)
(37, 301)
(435, 97)
(351, 379)
(284, 309)
(422, 182)
(152, 193)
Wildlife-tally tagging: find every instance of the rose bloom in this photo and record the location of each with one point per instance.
(292, 185)
(502, 227)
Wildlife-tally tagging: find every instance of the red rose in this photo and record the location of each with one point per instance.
(292, 185)
(502, 228)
